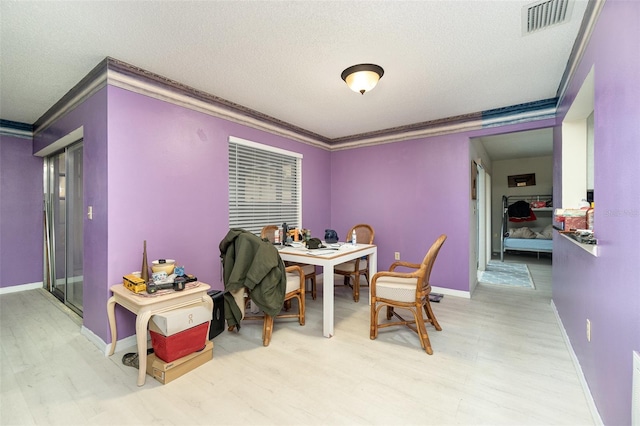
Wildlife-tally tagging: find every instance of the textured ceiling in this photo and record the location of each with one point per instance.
(284, 58)
(532, 143)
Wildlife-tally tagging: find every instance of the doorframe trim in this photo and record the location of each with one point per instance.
(68, 139)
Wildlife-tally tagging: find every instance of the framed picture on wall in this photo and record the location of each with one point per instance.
(528, 179)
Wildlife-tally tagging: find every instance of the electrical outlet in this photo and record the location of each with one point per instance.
(397, 255)
(588, 330)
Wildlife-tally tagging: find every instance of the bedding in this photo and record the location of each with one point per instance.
(531, 233)
(529, 239)
(521, 211)
(521, 229)
(523, 244)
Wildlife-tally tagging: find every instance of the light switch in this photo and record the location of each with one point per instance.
(90, 213)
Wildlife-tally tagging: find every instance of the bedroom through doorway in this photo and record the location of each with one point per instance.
(527, 153)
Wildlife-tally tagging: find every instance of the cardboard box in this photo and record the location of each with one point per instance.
(575, 223)
(170, 348)
(165, 372)
(178, 320)
(572, 218)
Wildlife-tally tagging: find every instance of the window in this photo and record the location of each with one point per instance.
(264, 186)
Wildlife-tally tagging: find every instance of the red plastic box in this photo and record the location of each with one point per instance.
(170, 348)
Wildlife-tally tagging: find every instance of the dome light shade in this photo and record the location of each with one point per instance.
(362, 77)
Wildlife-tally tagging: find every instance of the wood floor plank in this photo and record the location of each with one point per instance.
(500, 359)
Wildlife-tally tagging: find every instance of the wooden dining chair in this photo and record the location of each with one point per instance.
(255, 277)
(356, 268)
(294, 290)
(268, 232)
(406, 290)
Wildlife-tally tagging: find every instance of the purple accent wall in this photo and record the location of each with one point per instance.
(410, 192)
(21, 212)
(153, 171)
(167, 168)
(158, 172)
(606, 289)
(91, 115)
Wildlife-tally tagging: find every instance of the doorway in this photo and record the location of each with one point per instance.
(63, 219)
(483, 215)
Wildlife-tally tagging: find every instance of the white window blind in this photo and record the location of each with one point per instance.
(264, 186)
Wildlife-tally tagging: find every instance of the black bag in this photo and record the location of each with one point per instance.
(314, 243)
(330, 236)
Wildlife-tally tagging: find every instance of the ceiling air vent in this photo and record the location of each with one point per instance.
(543, 14)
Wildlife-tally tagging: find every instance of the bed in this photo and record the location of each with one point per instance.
(526, 224)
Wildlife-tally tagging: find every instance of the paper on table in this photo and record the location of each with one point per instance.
(318, 252)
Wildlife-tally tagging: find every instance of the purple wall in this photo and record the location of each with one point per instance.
(21, 213)
(91, 115)
(138, 166)
(152, 154)
(606, 289)
(410, 192)
(167, 168)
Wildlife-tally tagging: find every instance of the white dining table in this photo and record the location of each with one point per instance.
(328, 258)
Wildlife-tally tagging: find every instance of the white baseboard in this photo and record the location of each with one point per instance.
(127, 342)
(576, 364)
(21, 287)
(451, 292)
(93, 338)
(635, 390)
(446, 291)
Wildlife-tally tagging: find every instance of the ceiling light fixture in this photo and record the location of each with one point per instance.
(362, 77)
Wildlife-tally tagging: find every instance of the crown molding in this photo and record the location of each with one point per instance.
(16, 129)
(533, 111)
(140, 81)
(113, 72)
(89, 85)
(591, 14)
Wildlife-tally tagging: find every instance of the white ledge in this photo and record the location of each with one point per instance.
(592, 249)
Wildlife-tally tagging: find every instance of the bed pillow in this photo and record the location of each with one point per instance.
(546, 233)
(523, 232)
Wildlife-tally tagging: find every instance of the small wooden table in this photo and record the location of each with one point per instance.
(144, 305)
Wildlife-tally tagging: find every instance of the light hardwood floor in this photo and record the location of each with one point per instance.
(500, 359)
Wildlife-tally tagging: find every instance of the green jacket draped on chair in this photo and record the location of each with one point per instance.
(251, 262)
